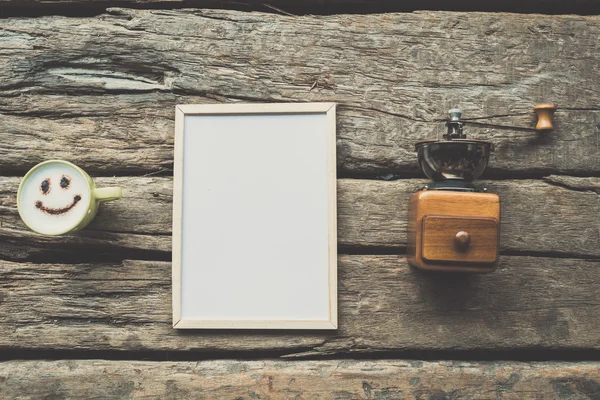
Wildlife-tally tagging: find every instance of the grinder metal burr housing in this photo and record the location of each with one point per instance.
(453, 224)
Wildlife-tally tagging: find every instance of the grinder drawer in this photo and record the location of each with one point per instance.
(460, 239)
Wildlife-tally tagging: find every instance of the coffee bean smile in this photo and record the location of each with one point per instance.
(57, 211)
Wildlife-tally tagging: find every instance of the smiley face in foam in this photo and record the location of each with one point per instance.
(57, 197)
(46, 189)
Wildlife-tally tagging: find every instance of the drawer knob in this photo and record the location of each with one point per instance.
(462, 240)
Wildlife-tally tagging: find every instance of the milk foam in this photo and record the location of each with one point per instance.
(60, 208)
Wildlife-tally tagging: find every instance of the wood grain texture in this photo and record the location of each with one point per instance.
(384, 306)
(591, 184)
(75, 85)
(230, 379)
(555, 216)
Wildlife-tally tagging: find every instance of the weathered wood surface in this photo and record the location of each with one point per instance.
(230, 379)
(557, 216)
(528, 303)
(72, 86)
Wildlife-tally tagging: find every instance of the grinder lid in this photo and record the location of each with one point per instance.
(463, 141)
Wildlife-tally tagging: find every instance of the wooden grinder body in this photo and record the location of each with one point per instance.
(454, 231)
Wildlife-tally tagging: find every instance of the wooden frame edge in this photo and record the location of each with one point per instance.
(255, 108)
(177, 215)
(259, 108)
(258, 324)
(332, 207)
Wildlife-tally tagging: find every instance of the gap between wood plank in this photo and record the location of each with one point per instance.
(99, 256)
(531, 355)
(401, 251)
(374, 175)
(291, 8)
(489, 174)
(83, 255)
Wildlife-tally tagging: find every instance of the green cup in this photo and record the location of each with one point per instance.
(57, 197)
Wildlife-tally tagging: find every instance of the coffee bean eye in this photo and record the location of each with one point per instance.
(65, 181)
(45, 186)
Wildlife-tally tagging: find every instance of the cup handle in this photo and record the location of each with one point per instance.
(107, 194)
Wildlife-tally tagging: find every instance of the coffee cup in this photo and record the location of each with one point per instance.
(57, 197)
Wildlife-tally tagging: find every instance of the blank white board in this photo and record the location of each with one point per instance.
(254, 221)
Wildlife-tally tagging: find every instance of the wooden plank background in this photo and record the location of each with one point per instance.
(307, 380)
(98, 88)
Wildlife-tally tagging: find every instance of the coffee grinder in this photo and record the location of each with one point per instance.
(453, 224)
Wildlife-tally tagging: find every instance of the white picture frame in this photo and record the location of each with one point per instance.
(254, 216)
